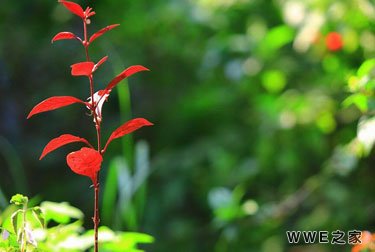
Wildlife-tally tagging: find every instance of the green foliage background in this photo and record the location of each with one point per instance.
(251, 134)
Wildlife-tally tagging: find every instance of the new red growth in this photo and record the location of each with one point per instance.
(87, 161)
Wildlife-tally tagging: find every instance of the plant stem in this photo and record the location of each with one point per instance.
(95, 219)
(96, 216)
(23, 235)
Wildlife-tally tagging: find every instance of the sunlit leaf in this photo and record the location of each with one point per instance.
(64, 35)
(61, 141)
(104, 59)
(366, 68)
(60, 212)
(14, 220)
(127, 128)
(101, 32)
(359, 100)
(82, 68)
(86, 162)
(73, 8)
(126, 73)
(38, 215)
(53, 103)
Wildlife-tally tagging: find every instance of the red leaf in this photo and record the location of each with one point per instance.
(73, 8)
(104, 59)
(60, 141)
(126, 73)
(64, 35)
(82, 68)
(101, 32)
(127, 128)
(85, 162)
(53, 103)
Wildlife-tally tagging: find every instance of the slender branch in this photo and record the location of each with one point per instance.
(85, 42)
(96, 215)
(23, 234)
(95, 219)
(91, 79)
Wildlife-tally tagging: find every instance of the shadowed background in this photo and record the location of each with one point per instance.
(251, 134)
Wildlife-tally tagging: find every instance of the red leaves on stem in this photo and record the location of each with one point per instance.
(82, 68)
(104, 59)
(73, 8)
(101, 32)
(86, 162)
(128, 128)
(53, 103)
(86, 68)
(126, 73)
(64, 35)
(61, 141)
(77, 9)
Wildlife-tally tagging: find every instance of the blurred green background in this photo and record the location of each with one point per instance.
(262, 111)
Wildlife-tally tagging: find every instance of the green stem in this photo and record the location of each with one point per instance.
(24, 238)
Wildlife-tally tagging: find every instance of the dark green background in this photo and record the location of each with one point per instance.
(250, 137)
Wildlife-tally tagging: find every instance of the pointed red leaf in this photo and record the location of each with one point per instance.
(127, 128)
(53, 103)
(73, 8)
(101, 32)
(82, 68)
(104, 59)
(126, 73)
(60, 141)
(64, 35)
(85, 162)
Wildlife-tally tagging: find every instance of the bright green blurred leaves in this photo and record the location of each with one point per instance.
(331, 63)
(359, 100)
(127, 242)
(27, 227)
(276, 38)
(367, 69)
(274, 81)
(362, 86)
(60, 212)
(326, 122)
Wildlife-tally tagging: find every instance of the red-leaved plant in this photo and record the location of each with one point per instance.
(87, 161)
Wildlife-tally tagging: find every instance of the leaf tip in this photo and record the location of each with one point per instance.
(30, 115)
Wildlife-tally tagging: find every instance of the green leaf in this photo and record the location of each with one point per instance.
(127, 241)
(359, 100)
(370, 85)
(60, 212)
(38, 215)
(276, 38)
(14, 220)
(366, 68)
(274, 81)
(19, 199)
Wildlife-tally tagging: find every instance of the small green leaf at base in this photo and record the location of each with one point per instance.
(19, 200)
